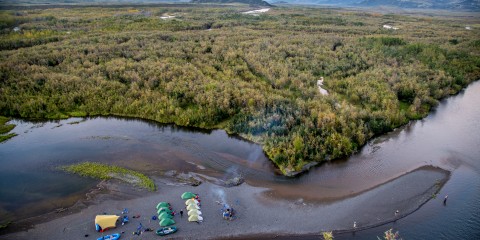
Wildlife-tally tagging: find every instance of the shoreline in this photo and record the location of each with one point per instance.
(258, 216)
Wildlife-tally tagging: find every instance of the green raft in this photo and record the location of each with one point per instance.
(166, 230)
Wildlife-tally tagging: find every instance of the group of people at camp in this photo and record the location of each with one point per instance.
(164, 215)
(228, 214)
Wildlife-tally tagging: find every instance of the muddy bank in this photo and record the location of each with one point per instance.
(257, 213)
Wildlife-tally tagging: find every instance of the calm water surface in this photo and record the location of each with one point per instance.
(449, 138)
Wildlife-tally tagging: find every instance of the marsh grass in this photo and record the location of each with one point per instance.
(5, 128)
(105, 172)
(6, 137)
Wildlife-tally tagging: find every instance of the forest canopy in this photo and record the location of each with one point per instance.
(252, 75)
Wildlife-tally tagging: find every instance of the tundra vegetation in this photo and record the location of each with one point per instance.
(256, 76)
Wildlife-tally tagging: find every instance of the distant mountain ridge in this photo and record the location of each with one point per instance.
(250, 2)
(473, 5)
(435, 4)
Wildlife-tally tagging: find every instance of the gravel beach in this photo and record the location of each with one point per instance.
(257, 213)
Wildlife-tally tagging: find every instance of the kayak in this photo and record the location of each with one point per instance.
(166, 230)
(114, 236)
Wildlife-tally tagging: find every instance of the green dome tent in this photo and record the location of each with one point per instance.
(165, 215)
(188, 195)
(190, 207)
(161, 210)
(166, 222)
(195, 218)
(163, 204)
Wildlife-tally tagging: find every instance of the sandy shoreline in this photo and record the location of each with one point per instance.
(257, 214)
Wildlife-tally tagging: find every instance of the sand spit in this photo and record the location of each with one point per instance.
(257, 214)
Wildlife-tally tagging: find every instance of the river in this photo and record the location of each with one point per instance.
(449, 138)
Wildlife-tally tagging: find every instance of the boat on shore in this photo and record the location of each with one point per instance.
(114, 236)
(166, 230)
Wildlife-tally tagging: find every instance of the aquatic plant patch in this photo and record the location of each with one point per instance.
(105, 172)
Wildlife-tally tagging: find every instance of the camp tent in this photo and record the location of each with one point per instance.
(195, 218)
(192, 206)
(188, 195)
(191, 201)
(166, 222)
(194, 212)
(106, 221)
(164, 215)
(163, 204)
(167, 210)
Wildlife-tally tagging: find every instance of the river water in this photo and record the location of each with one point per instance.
(449, 138)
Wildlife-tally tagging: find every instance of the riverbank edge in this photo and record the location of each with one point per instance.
(307, 165)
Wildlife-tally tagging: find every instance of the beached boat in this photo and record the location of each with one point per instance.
(166, 230)
(114, 236)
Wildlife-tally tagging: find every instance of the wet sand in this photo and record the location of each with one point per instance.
(258, 214)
